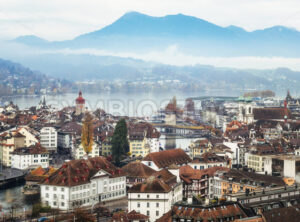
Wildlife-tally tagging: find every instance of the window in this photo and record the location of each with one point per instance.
(62, 189)
(54, 188)
(62, 197)
(157, 204)
(47, 188)
(54, 203)
(47, 195)
(139, 196)
(157, 196)
(148, 213)
(62, 204)
(138, 205)
(157, 213)
(148, 204)
(148, 196)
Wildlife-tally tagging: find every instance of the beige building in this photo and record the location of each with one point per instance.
(30, 135)
(9, 142)
(255, 161)
(79, 152)
(199, 147)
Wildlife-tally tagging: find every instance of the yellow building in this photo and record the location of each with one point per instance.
(9, 142)
(199, 147)
(106, 147)
(235, 181)
(228, 187)
(138, 145)
(255, 161)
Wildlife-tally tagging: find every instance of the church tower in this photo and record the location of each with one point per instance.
(80, 104)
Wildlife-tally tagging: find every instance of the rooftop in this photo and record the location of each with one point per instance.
(168, 157)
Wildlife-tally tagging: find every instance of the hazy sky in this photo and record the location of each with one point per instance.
(65, 19)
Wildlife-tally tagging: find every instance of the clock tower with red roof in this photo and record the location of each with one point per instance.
(80, 104)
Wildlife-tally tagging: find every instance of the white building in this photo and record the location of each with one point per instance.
(208, 160)
(163, 159)
(49, 138)
(153, 197)
(283, 165)
(79, 152)
(64, 140)
(154, 144)
(83, 183)
(35, 155)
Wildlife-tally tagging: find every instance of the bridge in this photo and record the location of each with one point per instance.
(182, 130)
(10, 176)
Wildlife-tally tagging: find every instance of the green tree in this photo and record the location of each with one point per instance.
(119, 141)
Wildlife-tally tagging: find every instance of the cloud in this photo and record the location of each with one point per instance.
(172, 56)
(60, 20)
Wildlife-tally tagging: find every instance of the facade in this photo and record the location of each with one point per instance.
(198, 147)
(49, 138)
(255, 161)
(80, 183)
(138, 144)
(67, 134)
(287, 166)
(143, 139)
(245, 114)
(64, 140)
(208, 160)
(198, 183)
(154, 197)
(9, 142)
(235, 181)
(106, 147)
(35, 155)
(30, 136)
(79, 152)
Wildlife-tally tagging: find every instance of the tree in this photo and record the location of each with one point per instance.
(82, 215)
(119, 141)
(87, 133)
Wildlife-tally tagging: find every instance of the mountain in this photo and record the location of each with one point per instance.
(101, 73)
(136, 32)
(17, 79)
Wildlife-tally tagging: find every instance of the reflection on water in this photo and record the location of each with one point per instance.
(132, 104)
(171, 142)
(14, 197)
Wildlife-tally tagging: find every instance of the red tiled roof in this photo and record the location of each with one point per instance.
(131, 216)
(166, 176)
(77, 172)
(151, 185)
(33, 149)
(168, 157)
(187, 173)
(271, 113)
(205, 213)
(138, 170)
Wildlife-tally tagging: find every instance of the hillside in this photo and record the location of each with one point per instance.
(16, 79)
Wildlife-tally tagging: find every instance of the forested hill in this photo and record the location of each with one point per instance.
(16, 79)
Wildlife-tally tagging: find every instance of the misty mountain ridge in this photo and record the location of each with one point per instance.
(137, 32)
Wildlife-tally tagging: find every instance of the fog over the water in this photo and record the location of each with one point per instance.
(170, 55)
